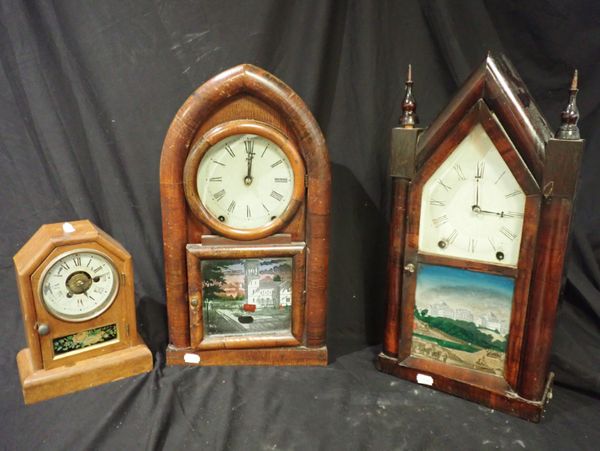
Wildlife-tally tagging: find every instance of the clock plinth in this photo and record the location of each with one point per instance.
(500, 397)
(40, 385)
(297, 356)
(76, 292)
(481, 209)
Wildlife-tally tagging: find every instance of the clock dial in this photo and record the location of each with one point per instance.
(245, 181)
(472, 207)
(79, 285)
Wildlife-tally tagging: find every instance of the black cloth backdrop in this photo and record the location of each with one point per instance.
(87, 92)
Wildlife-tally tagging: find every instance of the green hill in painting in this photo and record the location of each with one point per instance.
(462, 330)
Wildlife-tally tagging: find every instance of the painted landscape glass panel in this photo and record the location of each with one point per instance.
(462, 317)
(247, 296)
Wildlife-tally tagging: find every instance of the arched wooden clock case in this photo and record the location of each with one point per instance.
(244, 113)
(77, 299)
(479, 324)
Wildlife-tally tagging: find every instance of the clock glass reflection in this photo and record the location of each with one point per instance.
(462, 317)
(247, 296)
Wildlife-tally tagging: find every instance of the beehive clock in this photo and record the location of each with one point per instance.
(76, 291)
(482, 203)
(245, 193)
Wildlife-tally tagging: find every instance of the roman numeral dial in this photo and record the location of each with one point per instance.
(245, 181)
(79, 285)
(472, 207)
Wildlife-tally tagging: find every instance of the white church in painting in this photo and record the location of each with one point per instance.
(265, 293)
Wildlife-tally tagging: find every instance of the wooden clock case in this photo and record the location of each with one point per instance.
(546, 168)
(45, 375)
(244, 97)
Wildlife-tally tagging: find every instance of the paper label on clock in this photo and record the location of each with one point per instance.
(68, 227)
(424, 379)
(191, 358)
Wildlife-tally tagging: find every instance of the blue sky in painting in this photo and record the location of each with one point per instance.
(237, 266)
(461, 288)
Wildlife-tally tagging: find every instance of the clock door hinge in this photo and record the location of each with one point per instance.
(127, 330)
(306, 180)
(123, 278)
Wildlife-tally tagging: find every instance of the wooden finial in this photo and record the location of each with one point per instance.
(409, 107)
(574, 81)
(570, 115)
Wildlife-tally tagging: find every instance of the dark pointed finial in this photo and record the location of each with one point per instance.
(409, 107)
(570, 115)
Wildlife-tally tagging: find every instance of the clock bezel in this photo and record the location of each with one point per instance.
(478, 114)
(95, 312)
(214, 136)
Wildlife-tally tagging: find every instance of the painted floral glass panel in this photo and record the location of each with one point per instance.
(247, 296)
(462, 317)
(84, 339)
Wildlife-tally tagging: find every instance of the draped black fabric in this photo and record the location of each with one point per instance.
(87, 92)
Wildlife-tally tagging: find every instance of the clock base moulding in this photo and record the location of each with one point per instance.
(299, 356)
(40, 385)
(500, 398)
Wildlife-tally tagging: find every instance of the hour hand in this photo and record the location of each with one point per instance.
(477, 209)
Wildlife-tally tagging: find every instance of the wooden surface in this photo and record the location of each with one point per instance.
(498, 84)
(395, 265)
(296, 356)
(493, 396)
(245, 92)
(30, 262)
(546, 169)
(40, 385)
(563, 158)
(220, 132)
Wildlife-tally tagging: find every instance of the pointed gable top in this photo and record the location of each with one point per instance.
(498, 84)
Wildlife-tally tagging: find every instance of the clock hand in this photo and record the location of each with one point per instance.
(249, 158)
(477, 209)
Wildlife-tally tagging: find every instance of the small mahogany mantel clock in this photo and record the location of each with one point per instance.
(245, 193)
(76, 290)
(482, 203)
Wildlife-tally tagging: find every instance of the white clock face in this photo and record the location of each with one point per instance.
(245, 181)
(472, 207)
(79, 285)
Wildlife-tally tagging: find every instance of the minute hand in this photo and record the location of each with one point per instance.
(487, 212)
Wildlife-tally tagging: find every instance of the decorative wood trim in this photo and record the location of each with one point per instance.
(212, 137)
(40, 385)
(198, 252)
(500, 397)
(561, 172)
(499, 85)
(395, 265)
(286, 356)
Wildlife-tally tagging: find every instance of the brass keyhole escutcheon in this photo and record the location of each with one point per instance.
(79, 282)
(410, 268)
